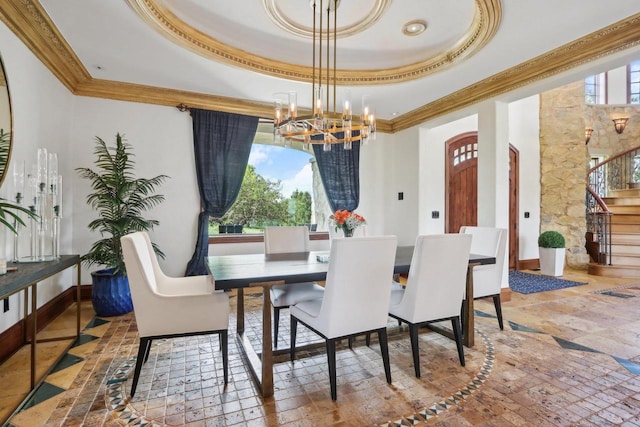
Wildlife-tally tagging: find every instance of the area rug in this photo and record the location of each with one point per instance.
(527, 283)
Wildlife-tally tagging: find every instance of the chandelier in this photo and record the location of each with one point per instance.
(323, 127)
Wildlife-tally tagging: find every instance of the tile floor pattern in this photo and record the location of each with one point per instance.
(566, 357)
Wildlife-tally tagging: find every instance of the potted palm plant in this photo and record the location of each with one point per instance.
(551, 246)
(120, 198)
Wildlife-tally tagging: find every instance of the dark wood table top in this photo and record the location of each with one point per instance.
(239, 271)
(30, 272)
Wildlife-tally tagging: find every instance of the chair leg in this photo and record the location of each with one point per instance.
(457, 334)
(462, 313)
(224, 341)
(147, 350)
(413, 334)
(293, 328)
(331, 359)
(276, 324)
(142, 349)
(368, 339)
(384, 349)
(496, 302)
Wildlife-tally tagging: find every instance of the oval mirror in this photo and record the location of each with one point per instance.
(5, 123)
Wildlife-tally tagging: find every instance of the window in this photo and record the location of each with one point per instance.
(595, 89)
(278, 189)
(634, 82)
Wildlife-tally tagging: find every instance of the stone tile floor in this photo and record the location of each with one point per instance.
(566, 357)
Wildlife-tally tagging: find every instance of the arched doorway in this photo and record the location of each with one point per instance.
(461, 183)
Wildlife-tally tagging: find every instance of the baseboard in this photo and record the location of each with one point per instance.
(13, 338)
(528, 264)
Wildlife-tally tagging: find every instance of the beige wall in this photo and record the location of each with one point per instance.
(563, 162)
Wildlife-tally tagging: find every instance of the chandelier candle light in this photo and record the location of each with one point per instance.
(322, 127)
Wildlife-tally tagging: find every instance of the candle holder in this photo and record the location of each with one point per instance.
(44, 186)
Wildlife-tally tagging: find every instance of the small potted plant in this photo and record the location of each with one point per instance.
(119, 198)
(551, 245)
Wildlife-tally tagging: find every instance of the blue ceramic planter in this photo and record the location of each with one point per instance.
(110, 294)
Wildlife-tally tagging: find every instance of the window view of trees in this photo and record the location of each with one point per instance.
(261, 203)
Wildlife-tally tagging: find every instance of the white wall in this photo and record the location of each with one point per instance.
(617, 86)
(524, 134)
(42, 117)
(400, 170)
(162, 143)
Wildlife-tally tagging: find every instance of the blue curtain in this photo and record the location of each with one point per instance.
(222, 143)
(340, 174)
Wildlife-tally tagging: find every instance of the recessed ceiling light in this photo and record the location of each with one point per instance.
(395, 113)
(414, 28)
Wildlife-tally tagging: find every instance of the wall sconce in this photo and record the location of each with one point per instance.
(587, 135)
(620, 124)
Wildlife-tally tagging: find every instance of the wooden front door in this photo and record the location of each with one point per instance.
(462, 182)
(462, 188)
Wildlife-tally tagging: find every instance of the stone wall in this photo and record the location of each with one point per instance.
(564, 158)
(604, 139)
(563, 164)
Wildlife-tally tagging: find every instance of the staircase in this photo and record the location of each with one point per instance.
(613, 215)
(624, 206)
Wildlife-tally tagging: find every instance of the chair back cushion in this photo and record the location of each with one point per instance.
(437, 278)
(485, 239)
(286, 239)
(487, 279)
(142, 280)
(357, 290)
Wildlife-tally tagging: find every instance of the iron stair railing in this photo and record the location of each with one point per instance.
(611, 174)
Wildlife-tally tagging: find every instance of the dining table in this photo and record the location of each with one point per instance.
(238, 272)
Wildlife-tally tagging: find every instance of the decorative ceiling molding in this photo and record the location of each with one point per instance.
(281, 20)
(29, 21)
(484, 25)
(606, 41)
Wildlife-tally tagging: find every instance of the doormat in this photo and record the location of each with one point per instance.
(526, 283)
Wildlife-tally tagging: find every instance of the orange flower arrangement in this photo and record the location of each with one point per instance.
(346, 221)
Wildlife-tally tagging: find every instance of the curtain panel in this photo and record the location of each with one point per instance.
(340, 173)
(221, 143)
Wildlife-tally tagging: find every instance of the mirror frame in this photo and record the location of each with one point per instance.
(6, 85)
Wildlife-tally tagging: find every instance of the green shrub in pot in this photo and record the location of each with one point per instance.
(551, 239)
(551, 246)
(119, 198)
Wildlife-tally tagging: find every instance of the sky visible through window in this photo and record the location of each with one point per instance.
(290, 167)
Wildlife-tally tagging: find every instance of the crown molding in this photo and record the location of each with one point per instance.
(28, 20)
(109, 89)
(30, 23)
(606, 41)
(487, 17)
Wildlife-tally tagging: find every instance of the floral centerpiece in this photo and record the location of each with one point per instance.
(346, 221)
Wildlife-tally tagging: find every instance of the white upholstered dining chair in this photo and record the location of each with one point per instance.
(356, 298)
(288, 239)
(487, 279)
(435, 288)
(169, 307)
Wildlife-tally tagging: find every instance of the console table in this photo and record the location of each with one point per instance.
(27, 276)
